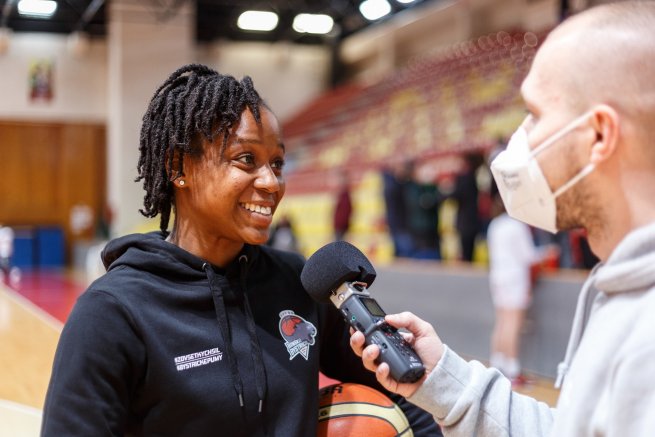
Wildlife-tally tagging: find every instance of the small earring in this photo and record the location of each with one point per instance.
(181, 182)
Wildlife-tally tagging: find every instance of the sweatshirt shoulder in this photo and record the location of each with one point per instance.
(125, 284)
(118, 277)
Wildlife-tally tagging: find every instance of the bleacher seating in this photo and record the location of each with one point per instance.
(462, 98)
(458, 99)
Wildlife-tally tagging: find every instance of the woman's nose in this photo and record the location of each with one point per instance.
(267, 179)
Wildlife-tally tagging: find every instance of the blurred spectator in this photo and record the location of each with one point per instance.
(484, 211)
(283, 236)
(343, 208)
(103, 225)
(562, 240)
(394, 178)
(8, 273)
(512, 254)
(582, 255)
(487, 189)
(466, 195)
(422, 215)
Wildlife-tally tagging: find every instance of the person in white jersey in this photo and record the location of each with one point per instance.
(512, 253)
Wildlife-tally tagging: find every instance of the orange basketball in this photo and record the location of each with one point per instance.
(355, 410)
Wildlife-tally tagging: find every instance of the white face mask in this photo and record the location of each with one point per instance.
(521, 183)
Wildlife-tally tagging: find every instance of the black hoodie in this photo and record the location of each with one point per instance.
(144, 351)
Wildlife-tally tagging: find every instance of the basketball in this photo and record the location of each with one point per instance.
(355, 410)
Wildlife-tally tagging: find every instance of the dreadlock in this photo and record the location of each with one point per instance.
(195, 102)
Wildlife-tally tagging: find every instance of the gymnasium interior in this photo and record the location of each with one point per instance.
(379, 82)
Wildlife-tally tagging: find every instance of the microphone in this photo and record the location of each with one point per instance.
(340, 273)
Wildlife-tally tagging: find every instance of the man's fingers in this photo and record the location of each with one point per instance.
(357, 343)
(383, 375)
(369, 356)
(412, 323)
(408, 337)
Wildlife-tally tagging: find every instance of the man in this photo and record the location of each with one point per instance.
(586, 156)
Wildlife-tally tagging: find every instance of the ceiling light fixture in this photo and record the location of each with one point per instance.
(318, 24)
(258, 20)
(405, 2)
(37, 8)
(374, 9)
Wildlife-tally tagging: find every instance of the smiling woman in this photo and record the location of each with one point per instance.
(230, 193)
(188, 333)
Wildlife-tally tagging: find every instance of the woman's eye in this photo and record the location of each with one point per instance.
(246, 159)
(278, 164)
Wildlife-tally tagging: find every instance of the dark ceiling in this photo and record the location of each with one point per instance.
(216, 19)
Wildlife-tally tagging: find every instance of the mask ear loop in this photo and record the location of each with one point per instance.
(559, 135)
(581, 174)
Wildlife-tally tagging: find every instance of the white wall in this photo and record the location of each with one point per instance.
(143, 52)
(287, 76)
(80, 83)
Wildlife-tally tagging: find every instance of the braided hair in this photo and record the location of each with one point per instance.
(194, 103)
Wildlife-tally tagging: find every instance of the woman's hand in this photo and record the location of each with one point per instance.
(421, 336)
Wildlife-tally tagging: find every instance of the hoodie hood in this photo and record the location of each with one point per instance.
(629, 268)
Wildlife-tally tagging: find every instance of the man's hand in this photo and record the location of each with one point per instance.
(421, 336)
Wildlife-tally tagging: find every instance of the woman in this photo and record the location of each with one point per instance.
(203, 330)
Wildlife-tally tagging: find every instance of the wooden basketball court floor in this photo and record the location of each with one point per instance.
(31, 319)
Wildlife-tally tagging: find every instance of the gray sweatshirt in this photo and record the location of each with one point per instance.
(608, 372)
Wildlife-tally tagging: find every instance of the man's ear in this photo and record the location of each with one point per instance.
(605, 121)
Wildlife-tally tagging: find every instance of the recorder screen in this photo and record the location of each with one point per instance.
(372, 307)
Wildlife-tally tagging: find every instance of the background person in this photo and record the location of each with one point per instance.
(8, 272)
(466, 195)
(283, 236)
(202, 330)
(423, 199)
(343, 207)
(512, 254)
(396, 174)
(584, 157)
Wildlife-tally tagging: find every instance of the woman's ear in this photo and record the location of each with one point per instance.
(606, 123)
(173, 170)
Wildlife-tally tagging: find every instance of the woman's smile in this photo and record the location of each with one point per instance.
(259, 209)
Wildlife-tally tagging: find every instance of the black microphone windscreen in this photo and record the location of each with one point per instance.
(332, 265)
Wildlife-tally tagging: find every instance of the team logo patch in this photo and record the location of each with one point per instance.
(298, 334)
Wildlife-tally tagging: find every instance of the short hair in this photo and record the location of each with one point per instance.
(194, 103)
(621, 35)
(634, 14)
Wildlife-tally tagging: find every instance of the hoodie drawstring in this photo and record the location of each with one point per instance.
(258, 358)
(579, 323)
(223, 323)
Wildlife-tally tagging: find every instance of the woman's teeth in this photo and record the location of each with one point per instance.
(264, 210)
